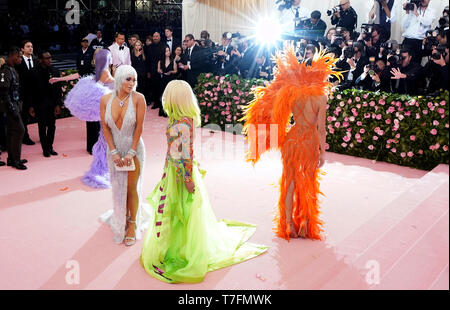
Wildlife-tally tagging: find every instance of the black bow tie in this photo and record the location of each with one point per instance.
(169, 40)
(121, 48)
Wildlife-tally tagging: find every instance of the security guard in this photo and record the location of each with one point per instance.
(11, 105)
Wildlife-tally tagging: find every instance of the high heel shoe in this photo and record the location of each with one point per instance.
(129, 241)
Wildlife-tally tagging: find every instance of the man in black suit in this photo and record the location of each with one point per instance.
(26, 85)
(193, 60)
(48, 102)
(247, 57)
(315, 26)
(84, 58)
(171, 42)
(357, 63)
(224, 58)
(10, 104)
(154, 53)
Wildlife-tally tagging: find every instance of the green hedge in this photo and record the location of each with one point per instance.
(399, 129)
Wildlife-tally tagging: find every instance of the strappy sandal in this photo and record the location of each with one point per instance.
(129, 241)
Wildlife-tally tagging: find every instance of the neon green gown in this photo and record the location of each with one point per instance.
(185, 241)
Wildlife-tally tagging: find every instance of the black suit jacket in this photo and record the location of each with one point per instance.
(197, 64)
(26, 81)
(227, 62)
(48, 95)
(84, 61)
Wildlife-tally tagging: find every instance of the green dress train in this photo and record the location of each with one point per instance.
(185, 241)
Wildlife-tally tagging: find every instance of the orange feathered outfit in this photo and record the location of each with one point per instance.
(293, 84)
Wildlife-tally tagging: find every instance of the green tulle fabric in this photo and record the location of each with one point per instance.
(185, 241)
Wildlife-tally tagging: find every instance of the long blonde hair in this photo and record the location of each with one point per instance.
(179, 101)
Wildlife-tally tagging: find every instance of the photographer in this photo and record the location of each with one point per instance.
(357, 62)
(406, 76)
(437, 70)
(262, 68)
(291, 12)
(344, 16)
(224, 58)
(418, 20)
(387, 48)
(315, 26)
(371, 35)
(383, 14)
(376, 77)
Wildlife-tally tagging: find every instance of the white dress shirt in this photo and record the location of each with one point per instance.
(120, 57)
(378, 8)
(170, 43)
(416, 26)
(25, 58)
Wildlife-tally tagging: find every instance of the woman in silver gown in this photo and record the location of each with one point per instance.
(122, 117)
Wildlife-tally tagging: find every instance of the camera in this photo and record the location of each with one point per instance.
(410, 5)
(431, 39)
(366, 30)
(443, 22)
(339, 38)
(349, 51)
(440, 51)
(395, 61)
(334, 10)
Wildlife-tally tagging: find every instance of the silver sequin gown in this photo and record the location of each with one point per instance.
(123, 140)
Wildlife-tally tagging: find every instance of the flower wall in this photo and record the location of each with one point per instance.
(399, 129)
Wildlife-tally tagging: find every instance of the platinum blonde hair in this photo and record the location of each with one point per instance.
(122, 73)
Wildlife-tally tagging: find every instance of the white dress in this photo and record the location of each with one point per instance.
(123, 140)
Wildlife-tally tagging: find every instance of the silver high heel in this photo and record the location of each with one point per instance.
(129, 241)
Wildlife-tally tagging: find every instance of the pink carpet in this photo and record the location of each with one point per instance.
(387, 227)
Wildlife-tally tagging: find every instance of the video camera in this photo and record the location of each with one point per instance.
(410, 5)
(395, 61)
(339, 37)
(349, 50)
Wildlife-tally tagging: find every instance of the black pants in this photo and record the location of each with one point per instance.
(46, 123)
(92, 132)
(2, 131)
(415, 46)
(14, 136)
(25, 120)
(155, 84)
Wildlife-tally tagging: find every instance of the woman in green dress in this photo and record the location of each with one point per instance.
(185, 241)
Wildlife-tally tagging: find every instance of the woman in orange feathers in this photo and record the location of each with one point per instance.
(298, 90)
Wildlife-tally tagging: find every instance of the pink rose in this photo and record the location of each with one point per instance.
(370, 147)
(435, 123)
(425, 112)
(242, 101)
(403, 154)
(394, 150)
(358, 136)
(381, 133)
(357, 99)
(420, 152)
(441, 111)
(327, 146)
(362, 131)
(346, 139)
(358, 106)
(412, 138)
(397, 136)
(375, 138)
(359, 123)
(339, 97)
(238, 82)
(433, 132)
(359, 140)
(410, 154)
(365, 96)
(344, 144)
(208, 75)
(430, 105)
(331, 131)
(349, 100)
(372, 103)
(390, 110)
(345, 124)
(445, 148)
(379, 116)
(337, 124)
(341, 103)
(329, 118)
(382, 102)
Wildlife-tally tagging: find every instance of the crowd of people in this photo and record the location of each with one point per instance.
(369, 60)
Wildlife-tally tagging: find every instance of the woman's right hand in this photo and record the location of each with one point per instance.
(118, 160)
(190, 186)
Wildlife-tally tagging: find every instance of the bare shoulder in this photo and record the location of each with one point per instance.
(105, 99)
(140, 99)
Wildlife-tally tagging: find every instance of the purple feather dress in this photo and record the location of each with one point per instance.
(83, 102)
